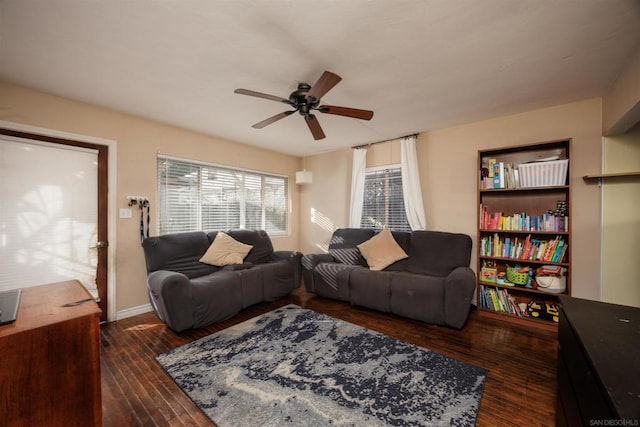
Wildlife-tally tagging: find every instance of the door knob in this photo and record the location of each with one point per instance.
(99, 245)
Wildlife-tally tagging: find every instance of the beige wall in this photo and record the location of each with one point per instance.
(324, 205)
(138, 141)
(448, 162)
(621, 221)
(621, 104)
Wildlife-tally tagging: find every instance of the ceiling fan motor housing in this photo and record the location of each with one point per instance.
(300, 101)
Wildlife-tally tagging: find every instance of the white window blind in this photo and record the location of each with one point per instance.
(383, 200)
(48, 214)
(197, 196)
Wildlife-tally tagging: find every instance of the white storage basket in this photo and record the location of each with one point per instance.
(543, 174)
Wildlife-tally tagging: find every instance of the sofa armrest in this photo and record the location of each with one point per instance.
(309, 263)
(170, 296)
(294, 258)
(458, 292)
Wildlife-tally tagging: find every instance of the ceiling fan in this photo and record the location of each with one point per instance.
(306, 99)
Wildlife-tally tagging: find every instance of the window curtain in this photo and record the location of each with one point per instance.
(412, 192)
(357, 186)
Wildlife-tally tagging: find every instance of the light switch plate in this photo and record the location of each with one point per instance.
(125, 213)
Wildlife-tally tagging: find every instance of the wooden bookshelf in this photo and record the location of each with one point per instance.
(523, 224)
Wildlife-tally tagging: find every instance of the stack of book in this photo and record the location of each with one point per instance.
(497, 299)
(522, 221)
(527, 249)
(499, 175)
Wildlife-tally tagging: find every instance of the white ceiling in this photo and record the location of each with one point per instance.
(418, 64)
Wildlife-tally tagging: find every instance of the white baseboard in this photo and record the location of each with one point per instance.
(133, 311)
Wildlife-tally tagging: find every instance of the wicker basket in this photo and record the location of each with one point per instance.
(515, 277)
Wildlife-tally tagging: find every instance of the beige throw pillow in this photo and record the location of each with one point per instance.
(225, 250)
(381, 250)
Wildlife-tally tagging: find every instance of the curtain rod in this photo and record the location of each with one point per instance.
(381, 142)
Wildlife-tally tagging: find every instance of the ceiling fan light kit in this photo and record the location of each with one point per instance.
(305, 100)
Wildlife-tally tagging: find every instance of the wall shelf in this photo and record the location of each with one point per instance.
(620, 176)
(611, 175)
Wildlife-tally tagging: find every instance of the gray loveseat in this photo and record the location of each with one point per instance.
(186, 293)
(434, 284)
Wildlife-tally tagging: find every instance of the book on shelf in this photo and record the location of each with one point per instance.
(500, 301)
(496, 175)
(521, 221)
(559, 252)
(500, 175)
(527, 249)
(491, 162)
(550, 270)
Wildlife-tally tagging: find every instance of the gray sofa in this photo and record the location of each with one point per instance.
(434, 284)
(186, 293)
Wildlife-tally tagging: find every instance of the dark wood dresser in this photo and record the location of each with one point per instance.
(598, 364)
(50, 359)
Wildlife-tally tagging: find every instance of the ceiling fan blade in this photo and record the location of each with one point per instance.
(347, 112)
(314, 126)
(261, 95)
(272, 119)
(324, 84)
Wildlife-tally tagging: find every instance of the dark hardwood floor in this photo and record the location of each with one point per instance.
(520, 389)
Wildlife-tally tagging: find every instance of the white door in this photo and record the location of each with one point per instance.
(48, 213)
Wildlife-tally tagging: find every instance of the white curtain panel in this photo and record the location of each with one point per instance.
(357, 187)
(411, 190)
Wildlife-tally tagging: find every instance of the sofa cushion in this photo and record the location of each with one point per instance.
(225, 250)
(262, 250)
(251, 286)
(419, 297)
(215, 297)
(328, 271)
(403, 238)
(438, 253)
(371, 289)
(344, 242)
(331, 279)
(381, 250)
(178, 252)
(278, 279)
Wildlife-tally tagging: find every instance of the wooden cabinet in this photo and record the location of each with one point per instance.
(598, 368)
(50, 359)
(524, 224)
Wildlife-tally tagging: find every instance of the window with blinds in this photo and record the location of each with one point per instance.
(383, 200)
(196, 196)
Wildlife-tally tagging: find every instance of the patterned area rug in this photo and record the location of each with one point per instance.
(297, 367)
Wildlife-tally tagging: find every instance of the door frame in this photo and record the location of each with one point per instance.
(111, 313)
